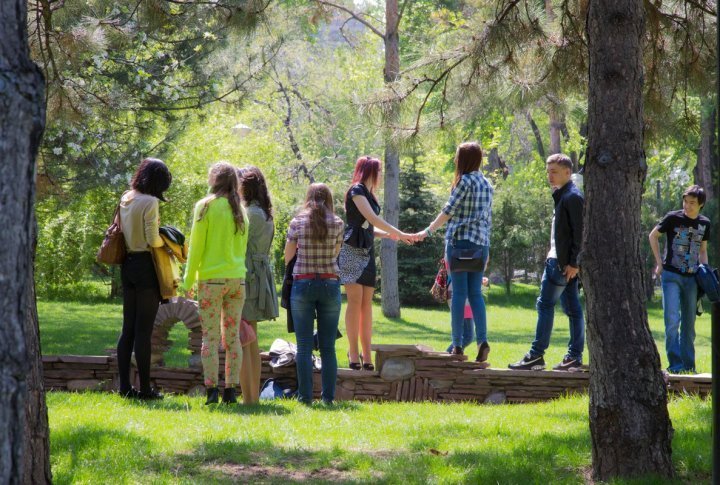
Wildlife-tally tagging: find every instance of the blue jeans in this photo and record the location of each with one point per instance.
(679, 306)
(467, 335)
(308, 298)
(467, 286)
(555, 287)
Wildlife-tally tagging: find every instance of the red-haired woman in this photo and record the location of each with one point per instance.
(468, 217)
(357, 257)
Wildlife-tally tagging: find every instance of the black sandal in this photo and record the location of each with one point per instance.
(354, 365)
(366, 365)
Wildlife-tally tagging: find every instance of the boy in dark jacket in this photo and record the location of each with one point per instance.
(559, 281)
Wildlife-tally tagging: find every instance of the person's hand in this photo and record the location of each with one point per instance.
(407, 238)
(658, 270)
(394, 237)
(486, 281)
(420, 236)
(570, 272)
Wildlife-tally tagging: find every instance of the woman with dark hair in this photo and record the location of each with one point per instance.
(468, 217)
(314, 236)
(357, 257)
(140, 223)
(261, 296)
(216, 260)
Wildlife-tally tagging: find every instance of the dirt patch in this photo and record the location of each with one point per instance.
(254, 473)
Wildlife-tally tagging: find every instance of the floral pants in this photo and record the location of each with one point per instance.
(221, 303)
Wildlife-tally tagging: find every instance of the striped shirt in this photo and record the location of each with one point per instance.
(470, 210)
(315, 256)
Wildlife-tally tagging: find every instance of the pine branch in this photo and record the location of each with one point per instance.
(355, 15)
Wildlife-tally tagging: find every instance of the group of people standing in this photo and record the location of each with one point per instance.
(229, 259)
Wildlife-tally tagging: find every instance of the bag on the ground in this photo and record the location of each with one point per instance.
(277, 389)
(112, 249)
(468, 260)
(282, 353)
(439, 290)
(707, 280)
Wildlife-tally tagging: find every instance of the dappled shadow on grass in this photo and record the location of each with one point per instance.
(163, 404)
(407, 329)
(262, 408)
(83, 443)
(253, 461)
(260, 460)
(338, 406)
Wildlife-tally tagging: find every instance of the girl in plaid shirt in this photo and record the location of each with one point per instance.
(315, 236)
(468, 217)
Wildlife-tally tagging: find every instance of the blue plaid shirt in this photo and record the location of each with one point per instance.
(470, 210)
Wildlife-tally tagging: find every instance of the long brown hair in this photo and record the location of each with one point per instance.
(254, 189)
(468, 158)
(318, 205)
(223, 181)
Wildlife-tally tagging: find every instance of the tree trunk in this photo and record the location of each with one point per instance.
(703, 172)
(22, 119)
(37, 452)
(556, 122)
(495, 162)
(388, 249)
(629, 422)
(538, 136)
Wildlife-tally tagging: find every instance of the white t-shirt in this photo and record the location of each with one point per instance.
(552, 253)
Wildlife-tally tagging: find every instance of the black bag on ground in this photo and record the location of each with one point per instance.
(469, 260)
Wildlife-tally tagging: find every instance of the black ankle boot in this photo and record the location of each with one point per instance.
(229, 396)
(212, 395)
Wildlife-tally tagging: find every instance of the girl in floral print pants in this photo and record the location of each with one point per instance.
(221, 300)
(216, 261)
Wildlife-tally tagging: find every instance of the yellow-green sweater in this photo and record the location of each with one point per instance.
(217, 249)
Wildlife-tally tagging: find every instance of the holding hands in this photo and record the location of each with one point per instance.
(403, 237)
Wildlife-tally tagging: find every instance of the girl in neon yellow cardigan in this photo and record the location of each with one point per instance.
(218, 242)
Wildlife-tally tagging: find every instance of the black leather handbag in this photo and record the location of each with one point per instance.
(468, 260)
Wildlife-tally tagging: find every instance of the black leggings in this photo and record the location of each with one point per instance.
(141, 298)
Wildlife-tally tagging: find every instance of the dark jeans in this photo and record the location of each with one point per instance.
(555, 287)
(141, 298)
(308, 298)
(467, 286)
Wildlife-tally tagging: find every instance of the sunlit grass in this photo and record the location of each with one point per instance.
(101, 438)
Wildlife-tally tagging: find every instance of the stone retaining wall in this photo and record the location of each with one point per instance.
(405, 373)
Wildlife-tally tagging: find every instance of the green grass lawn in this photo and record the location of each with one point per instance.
(90, 328)
(101, 438)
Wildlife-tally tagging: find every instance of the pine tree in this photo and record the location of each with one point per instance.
(417, 264)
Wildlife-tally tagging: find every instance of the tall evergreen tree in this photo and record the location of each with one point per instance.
(417, 263)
